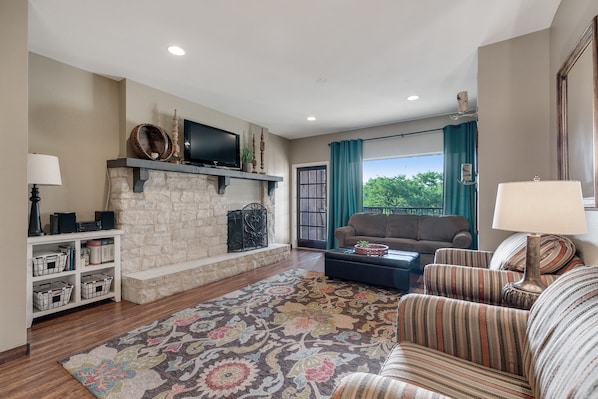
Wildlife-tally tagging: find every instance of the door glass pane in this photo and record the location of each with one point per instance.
(311, 201)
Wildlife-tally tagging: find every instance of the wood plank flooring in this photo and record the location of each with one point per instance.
(55, 337)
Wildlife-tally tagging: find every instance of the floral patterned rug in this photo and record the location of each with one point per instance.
(293, 335)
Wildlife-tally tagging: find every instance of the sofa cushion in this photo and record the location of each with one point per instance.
(450, 375)
(370, 225)
(562, 337)
(572, 264)
(430, 247)
(441, 228)
(401, 244)
(555, 252)
(403, 226)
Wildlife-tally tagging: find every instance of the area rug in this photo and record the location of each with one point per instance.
(294, 335)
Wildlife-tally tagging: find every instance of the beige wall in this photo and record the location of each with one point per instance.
(513, 101)
(144, 104)
(572, 18)
(73, 114)
(13, 172)
(315, 149)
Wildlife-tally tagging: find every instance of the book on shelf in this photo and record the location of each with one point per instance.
(69, 250)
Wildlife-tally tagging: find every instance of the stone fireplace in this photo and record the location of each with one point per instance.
(176, 229)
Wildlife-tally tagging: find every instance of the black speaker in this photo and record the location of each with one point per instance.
(67, 222)
(107, 219)
(54, 224)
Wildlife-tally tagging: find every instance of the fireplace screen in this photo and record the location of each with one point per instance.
(247, 228)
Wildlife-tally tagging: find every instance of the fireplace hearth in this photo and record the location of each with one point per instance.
(247, 228)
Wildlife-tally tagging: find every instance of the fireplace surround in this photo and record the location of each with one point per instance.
(175, 231)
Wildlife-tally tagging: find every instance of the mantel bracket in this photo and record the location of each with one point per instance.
(271, 187)
(223, 182)
(140, 176)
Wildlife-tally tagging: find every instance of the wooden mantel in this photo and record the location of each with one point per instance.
(141, 169)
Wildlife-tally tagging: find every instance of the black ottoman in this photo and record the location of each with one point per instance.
(390, 270)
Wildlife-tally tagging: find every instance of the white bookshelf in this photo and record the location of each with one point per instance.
(72, 277)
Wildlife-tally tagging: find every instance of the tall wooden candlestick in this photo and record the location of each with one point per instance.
(253, 152)
(175, 139)
(262, 147)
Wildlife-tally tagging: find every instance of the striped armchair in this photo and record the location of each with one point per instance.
(479, 276)
(458, 349)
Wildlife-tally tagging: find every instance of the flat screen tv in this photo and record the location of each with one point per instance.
(209, 146)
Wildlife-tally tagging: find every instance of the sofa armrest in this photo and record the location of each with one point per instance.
(472, 284)
(466, 283)
(462, 239)
(492, 336)
(463, 257)
(341, 233)
(371, 386)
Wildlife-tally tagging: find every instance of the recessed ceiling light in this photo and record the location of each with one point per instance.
(176, 50)
(311, 118)
(412, 98)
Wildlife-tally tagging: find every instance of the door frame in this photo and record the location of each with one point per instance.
(293, 215)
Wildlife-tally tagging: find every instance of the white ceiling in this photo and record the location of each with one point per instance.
(350, 63)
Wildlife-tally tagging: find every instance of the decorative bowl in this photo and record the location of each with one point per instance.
(371, 249)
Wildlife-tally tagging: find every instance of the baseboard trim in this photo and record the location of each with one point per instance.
(14, 353)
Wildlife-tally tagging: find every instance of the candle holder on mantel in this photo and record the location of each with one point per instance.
(176, 156)
(253, 150)
(262, 147)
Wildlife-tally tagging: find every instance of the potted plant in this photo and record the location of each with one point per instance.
(247, 159)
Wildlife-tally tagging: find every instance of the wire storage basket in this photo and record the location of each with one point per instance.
(51, 295)
(94, 285)
(48, 262)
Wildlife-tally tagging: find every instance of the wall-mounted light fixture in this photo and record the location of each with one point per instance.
(467, 176)
(463, 107)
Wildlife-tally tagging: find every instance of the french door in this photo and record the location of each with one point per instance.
(311, 207)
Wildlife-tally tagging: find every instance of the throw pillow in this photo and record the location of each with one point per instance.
(555, 252)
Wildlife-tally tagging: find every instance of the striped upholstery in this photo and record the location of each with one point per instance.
(468, 350)
(471, 284)
(555, 252)
(451, 376)
(491, 336)
(463, 257)
(466, 274)
(371, 386)
(563, 337)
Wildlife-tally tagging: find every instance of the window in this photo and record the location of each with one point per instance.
(408, 184)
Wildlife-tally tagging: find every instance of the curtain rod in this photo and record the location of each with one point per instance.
(404, 134)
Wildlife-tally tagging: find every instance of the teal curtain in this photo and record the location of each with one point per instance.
(346, 185)
(460, 142)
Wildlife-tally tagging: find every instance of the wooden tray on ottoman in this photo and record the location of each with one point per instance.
(390, 270)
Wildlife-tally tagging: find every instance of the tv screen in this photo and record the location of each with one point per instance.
(207, 145)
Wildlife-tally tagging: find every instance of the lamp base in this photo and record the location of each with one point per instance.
(35, 223)
(516, 297)
(524, 292)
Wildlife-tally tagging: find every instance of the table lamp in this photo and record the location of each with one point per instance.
(43, 170)
(537, 207)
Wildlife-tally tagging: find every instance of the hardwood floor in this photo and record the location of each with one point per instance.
(40, 376)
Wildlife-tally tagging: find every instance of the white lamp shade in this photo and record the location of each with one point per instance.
(543, 207)
(43, 170)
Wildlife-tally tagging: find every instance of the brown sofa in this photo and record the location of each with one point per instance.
(417, 233)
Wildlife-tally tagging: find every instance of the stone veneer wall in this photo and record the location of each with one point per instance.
(178, 218)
